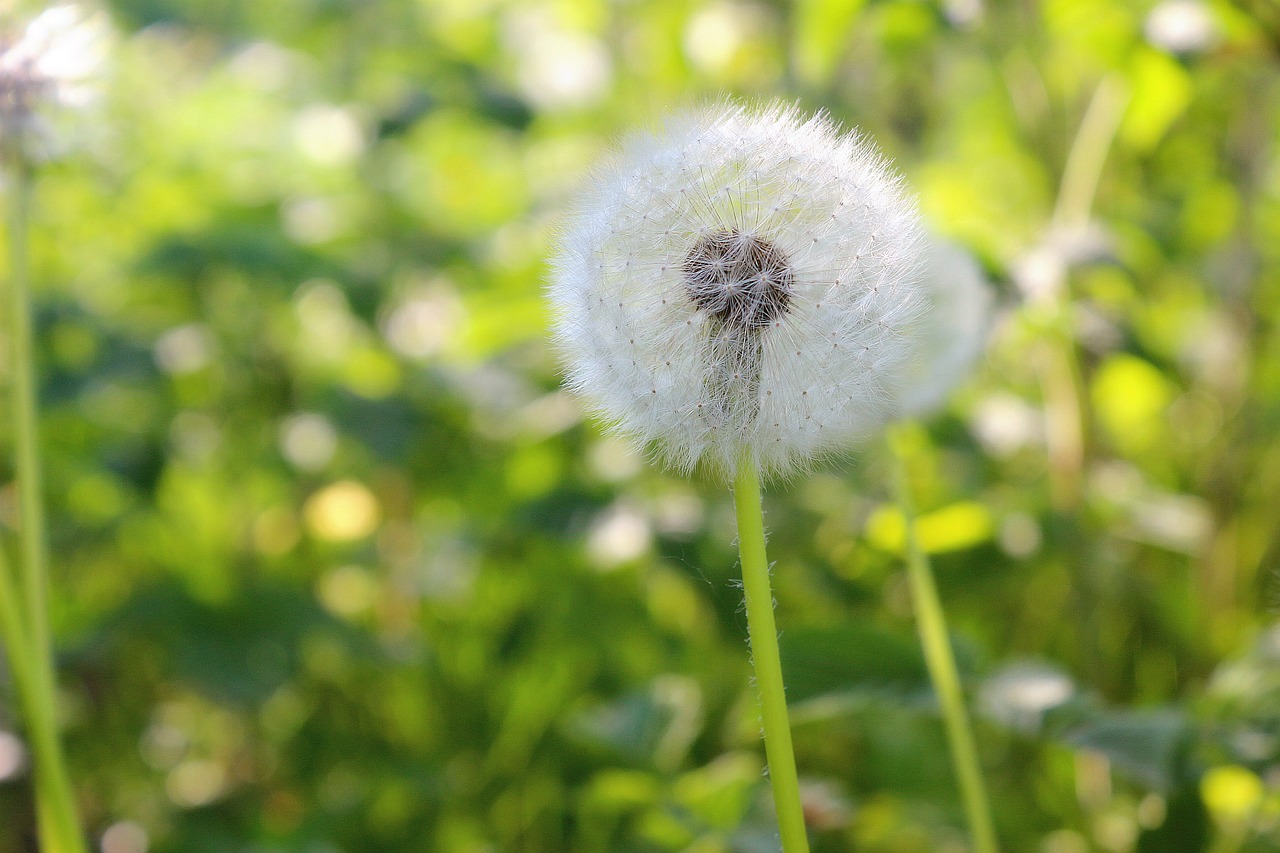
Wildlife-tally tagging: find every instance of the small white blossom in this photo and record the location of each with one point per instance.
(1181, 26)
(743, 284)
(52, 63)
(953, 330)
(1021, 694)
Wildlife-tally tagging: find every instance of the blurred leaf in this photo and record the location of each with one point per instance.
(1161, 91)
(1185, 828)
(1148, 746)
(240, 651)
(654, 728)
(851, 661)
(954, 527)
(720, 794)
(1130, 396)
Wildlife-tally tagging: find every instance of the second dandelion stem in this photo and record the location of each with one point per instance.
(59, 825)
(941, 663)
(766, 660)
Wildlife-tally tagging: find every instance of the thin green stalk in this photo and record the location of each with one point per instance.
(1088, 154)
(13, 632)
(766, 660)
(941, 662)
(34, 562)
(1063, 382)
(59, 825)
(58, 821)
(1062, 379)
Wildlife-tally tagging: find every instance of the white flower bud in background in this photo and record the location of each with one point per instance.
(744, 282)
(52, 62)
(1181, 26)
(953, 331)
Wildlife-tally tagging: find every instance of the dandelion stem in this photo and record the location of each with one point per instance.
(59, 826)
(26, 438)
(58, 821)
(765, 658)
(941, 662)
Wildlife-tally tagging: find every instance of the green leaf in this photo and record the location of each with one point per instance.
(654, 728)
(1185, 828)
(851, 660)
(1148, 746)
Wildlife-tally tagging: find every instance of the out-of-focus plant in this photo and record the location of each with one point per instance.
(44, 65)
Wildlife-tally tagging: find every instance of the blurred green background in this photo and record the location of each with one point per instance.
(339, 567)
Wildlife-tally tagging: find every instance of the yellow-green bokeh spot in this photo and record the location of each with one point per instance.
(952, 528)
(1231, 793)
(1130, 397)
(1160, 92)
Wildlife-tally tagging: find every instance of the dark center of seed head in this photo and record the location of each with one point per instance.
(741, 280)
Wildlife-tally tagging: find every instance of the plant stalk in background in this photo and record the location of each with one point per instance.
(32, 657)
(941, 663)
(954, 334)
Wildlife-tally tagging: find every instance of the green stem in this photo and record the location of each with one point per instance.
(59, 826)
(1065, 390)
(58, 821)
(942, 671)
(13, 630)
(1088, 154)
(26, 438)
(765, 658)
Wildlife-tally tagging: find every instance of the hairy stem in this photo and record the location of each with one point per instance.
(765, 658)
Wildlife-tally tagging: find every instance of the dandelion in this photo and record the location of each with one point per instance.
(747, 291)
(48, 64)
(53, 62)
(743, 287)
(953, 329)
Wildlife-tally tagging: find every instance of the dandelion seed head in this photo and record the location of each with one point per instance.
(952, 331)
(739, 279)
(52, 62)
(743, 281)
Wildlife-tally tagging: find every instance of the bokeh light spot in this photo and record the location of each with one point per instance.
(342, 511)
(125, 837)
(13, 756)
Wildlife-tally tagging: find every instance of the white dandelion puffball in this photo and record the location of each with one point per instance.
(953, 330)
(741, 288)
(54, 61)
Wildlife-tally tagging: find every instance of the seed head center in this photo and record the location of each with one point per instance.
(741, 280)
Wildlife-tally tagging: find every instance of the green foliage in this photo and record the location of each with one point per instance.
(339, 567)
